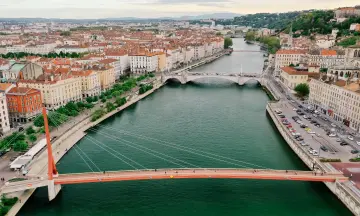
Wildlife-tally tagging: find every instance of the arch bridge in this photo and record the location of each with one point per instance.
(239, 78)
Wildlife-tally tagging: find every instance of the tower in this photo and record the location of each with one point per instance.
(290, 41)
(53, 189)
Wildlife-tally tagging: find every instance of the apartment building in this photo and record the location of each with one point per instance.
(90, 82)
(326, 59)
(56, 89)
(285, 58)
(115, 64)
(24, 104)
(106, 74)
(291, 77)
(4, 114)
(338, 99)
(144, 63)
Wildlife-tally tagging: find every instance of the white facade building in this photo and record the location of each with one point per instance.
(4, 114)
(140, 64)
(284, 58)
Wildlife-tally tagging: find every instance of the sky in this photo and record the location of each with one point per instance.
(82, 9)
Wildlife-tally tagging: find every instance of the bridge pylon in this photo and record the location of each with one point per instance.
(53, 189)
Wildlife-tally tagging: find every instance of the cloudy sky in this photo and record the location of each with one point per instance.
(155, 8)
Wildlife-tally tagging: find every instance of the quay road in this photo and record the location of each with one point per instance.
(182, 173)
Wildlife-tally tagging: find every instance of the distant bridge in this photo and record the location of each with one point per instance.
(248, 51)
(239, 78)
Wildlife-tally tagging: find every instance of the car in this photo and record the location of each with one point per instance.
(299, 139)
(295, 109)
(325, 119)
(292, 101)
(302, 126)
(350, 137)
(21, 129)
(2, 153)
(324, 148)
(317, 112)
(311, 150)
(305, 117)
(332, 135)
(309, 118)
(317, 124)
(343, 143)
(303, 143)
(315, 153)
(300, 106)
(281, 115)
(313, 121)
(307, 129)
(315, 115)
(354, 151)
(338, 140)
(333, 125)
(298, 111)
(293, 134)
(311, 132)
(358, 142)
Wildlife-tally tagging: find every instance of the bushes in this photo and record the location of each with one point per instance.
(120, 101)
(30, 130)
(330, 160)
(110, 107)
(97, 114)
(8, 141)
(354, 160)
(20, 145)
(32, 138)
(6, 204)
(145, 88)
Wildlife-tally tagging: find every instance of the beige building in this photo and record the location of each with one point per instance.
(291, 77)
(106, 74)
(338, 100)
(284, 58)
(56, 89)
(90, 82)
(161, 62)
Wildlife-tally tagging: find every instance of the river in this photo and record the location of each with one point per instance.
(209, 115)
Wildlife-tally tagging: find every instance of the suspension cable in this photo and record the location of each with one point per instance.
(183, 148)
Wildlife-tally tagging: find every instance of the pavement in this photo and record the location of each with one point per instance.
(351, 170)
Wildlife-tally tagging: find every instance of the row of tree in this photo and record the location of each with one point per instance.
(19, 55)
(272, 43)
(228, 42)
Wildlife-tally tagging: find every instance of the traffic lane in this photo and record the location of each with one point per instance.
(315, 143)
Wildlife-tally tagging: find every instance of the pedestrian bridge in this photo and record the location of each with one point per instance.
(173, 174)
(239, 78)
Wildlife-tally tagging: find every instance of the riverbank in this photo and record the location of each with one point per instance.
(348, 198)
(75, 133)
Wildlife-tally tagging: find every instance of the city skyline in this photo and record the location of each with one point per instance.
(83, 9)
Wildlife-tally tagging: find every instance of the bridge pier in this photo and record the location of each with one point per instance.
(53, 189)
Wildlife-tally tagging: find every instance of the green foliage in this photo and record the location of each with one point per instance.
(54, 119)
(95, 98)
(323, 70)
(110, 106)
(9, 141)
(41, 130)
(88, 105)
(20, 145)
(108, 97)
(272, 43)
(324, 160)
(20, 55)
(354, 160)
(103, 100)
(97, 114)
(32, 138)
(145, 88)
(269, 20)
(120, 101)
(291, 65)
(65, 33)
(30, 130)
(151, 75)
(302, 89)
(115, 94)
(250, 36)
(349, 41)
(89, 99)
(80, 105)
(228, 42)
(218, 34)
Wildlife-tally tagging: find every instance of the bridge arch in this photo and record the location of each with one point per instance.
(245, 80)
(198, 77)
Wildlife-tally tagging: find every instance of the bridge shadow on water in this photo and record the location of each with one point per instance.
(212, 83)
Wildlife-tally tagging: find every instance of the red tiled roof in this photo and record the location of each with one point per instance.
(107, 61)
(22, 90)
(328, 52)
(293, 71)
(282, 51)
(4, 86)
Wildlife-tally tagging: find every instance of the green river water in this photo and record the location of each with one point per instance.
(209, 115)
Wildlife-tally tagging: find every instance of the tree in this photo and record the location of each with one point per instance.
(227, 42)
(110, 106)
(218, 34)
(89, 99)
(65, 33)
(20, 145)
(95, 98)
(250, 36)
(120, 101)
(323, 70)
(302, 89)
(32, 138)
(30, 130)
(103, 100)
(97, 114)
(115, 94)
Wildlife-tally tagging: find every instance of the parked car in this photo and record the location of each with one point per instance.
(358, 142)
(343, 143)
(281, 115)
(317, 124)
(332, 135)
(338, 140)
(315, 153)
(301, 113)
(324, 148)
(302, 126)
(21, 129)
(350, 137)
(333, 125)
(354, 151)
(295, 109)
(300, 106)
(311, 132)
(305, 117)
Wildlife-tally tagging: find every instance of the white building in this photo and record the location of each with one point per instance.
(337, 100)
(123, 58)
(143, 63)
(4, 114)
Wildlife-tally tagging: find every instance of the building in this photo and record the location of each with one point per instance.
(347, 12)
(291, 77)
(21, 71)
(90, 82)
(120, 55)
(4, 115)
(115, 64)
(326, 58)
(56, 89)
(24, 104)
(284, 58)
(142, 63)
(106, 74)
(337, 99)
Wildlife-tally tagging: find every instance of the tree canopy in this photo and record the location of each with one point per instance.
(302, 89)
(228, 42)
